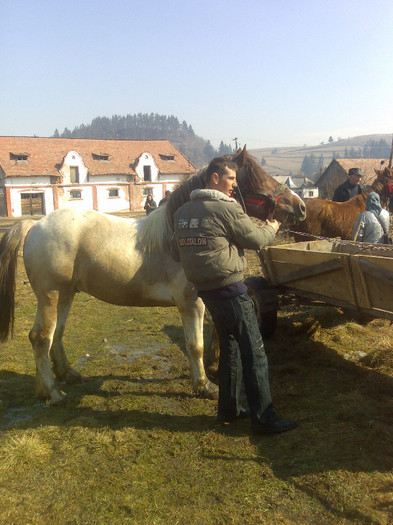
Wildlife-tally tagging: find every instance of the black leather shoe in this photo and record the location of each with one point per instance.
(274, 425)
(225, 420)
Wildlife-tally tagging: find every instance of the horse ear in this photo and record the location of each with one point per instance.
(241, 157)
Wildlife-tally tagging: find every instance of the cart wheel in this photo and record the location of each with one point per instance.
(264, 297)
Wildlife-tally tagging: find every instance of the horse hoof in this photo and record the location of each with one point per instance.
(210, 391)
(72, 377)
(57, 397)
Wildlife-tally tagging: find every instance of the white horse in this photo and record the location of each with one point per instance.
(120, 261)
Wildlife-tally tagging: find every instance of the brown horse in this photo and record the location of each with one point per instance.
(120, 261)
(261, 196)
(326, 218)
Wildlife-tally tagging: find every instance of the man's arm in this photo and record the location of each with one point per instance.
(247, 235)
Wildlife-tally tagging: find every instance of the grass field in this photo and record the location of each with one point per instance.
(132, 444)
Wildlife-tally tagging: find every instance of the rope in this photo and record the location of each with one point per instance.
(340, 242)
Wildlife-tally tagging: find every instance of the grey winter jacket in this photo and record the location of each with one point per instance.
(211, 233)
(370, 229)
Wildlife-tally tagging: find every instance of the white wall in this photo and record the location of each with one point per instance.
(73, 159)
(108, 204)
(84, 203)
(27, 181)
(147, 160)
(306, 193)
(96, 179)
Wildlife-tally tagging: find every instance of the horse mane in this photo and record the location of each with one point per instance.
(181, 194)
(251, 179)
(155, 231)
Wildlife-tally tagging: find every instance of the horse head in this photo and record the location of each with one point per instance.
(264, 197)
(383, 184)
(385, 175)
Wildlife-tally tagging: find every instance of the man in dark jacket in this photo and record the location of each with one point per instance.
(351, 187)
(211, 233)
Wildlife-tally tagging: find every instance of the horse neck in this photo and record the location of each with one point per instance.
(377, 186)
(154, 232)
(181, 195)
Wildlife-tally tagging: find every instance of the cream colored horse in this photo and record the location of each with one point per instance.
(120, 261)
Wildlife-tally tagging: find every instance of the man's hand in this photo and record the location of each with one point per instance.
(274, 224)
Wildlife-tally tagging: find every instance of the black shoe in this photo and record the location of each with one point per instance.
(226, 420)
(273, 425)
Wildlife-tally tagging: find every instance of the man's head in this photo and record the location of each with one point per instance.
(167, 193)
(221, 175)
(355, 176)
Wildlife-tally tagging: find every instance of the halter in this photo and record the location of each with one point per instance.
(268, 201)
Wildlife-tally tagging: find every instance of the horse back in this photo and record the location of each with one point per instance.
(332, 219)
(99, 254)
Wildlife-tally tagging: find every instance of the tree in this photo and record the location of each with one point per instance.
(330, 139)
(321, 162)
(224, 149)
(144, 126)
(309, 165)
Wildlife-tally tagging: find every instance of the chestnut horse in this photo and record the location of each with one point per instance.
(326, 218)
(119, 261)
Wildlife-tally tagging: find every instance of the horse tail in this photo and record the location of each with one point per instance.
(10, 244)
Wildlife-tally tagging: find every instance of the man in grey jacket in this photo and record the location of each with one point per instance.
(211, 233)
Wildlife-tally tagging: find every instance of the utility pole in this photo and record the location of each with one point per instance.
(391, 155)
(235, 139)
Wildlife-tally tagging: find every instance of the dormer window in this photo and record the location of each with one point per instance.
(168, 158)
(20, 157)
(104, 157)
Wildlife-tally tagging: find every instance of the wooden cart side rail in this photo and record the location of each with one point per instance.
(376, 271)
(314, 298)
(311, 271)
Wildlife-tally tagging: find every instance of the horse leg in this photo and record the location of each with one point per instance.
(41, 336)
(60, 364)
(192, 318)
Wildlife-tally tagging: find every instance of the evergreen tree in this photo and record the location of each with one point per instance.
(321, 162)
(309, 165)
(143, 126)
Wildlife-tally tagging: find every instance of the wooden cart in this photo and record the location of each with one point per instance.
(343, 275)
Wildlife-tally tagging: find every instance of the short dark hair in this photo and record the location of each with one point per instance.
(219, 166)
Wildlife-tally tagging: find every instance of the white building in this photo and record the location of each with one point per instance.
(305, 188)
(39, 175)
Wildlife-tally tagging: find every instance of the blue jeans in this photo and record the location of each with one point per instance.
(242, 357)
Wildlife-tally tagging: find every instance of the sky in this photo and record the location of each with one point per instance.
(267, 72)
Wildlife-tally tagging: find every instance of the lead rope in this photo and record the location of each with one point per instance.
(341, 242)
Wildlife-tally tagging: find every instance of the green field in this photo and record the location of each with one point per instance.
(132, 444)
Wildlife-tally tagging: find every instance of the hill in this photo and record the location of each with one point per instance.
(288, 161)
(143, 126)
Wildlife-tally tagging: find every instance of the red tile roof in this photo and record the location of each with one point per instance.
(46, 155)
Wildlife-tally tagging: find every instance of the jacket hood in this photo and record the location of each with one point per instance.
(207, 194)
(373, 204)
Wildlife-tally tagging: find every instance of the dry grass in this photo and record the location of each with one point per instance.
(133, 445)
